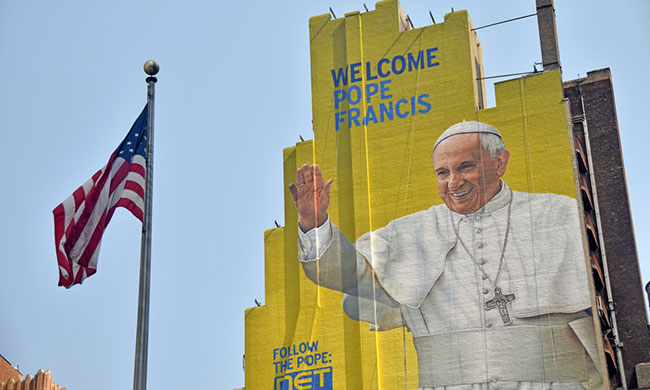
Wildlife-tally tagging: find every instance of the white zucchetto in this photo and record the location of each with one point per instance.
(466, 127)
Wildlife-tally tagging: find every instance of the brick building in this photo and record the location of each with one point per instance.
(8, 372)
(12, 379)
(609, 229)
(614, 260)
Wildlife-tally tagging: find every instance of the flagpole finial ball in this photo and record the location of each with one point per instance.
(151, 67)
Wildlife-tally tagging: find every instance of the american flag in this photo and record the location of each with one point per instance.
(79, 221)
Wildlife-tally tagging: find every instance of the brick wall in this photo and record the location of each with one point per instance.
(615, 216)
(7, 371)
(41, 381)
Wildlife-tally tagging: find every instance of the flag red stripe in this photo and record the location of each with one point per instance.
(94, 241)
(132, 207)
(79, 277)
(137, 168)
(59, 220)
(97, 174)
(135, 187)
(79, 196)
(59, 216)
(119, 176)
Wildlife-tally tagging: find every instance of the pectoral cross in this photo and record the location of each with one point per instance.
(500, 301)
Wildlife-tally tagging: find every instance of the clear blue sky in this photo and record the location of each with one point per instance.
(233, 90)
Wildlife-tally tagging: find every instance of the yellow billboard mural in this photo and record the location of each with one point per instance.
(428, 242)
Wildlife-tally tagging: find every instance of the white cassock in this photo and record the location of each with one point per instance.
(423, 278)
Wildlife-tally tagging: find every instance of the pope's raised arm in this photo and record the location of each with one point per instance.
(311, 196)
(331, 261)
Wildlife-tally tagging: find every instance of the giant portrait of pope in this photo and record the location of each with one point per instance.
(492, 284)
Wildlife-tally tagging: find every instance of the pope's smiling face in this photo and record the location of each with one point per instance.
(468, 177)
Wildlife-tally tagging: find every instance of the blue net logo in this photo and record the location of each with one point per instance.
(318, 379)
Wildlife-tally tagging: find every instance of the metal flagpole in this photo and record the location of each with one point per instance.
(151, 67)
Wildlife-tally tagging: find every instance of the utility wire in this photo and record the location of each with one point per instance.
(505, 21)
(506, 75)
